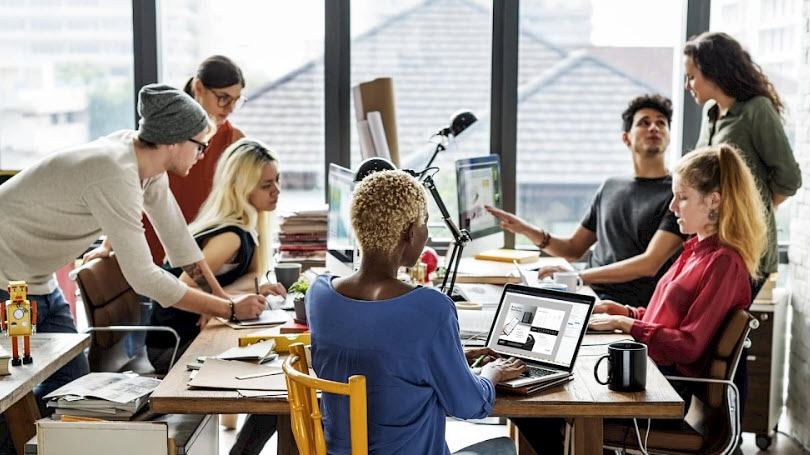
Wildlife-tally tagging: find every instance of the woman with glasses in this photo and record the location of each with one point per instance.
(232, 230)
(217, 87)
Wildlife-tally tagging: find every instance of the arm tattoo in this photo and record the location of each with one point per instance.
(195, 272)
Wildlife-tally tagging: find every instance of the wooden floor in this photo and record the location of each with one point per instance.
(461, 434)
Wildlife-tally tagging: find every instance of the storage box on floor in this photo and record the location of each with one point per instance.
(192, 434)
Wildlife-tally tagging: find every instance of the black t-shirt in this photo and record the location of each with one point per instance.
(625, 214)
(185, 322)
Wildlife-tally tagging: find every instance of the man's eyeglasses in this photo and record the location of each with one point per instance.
(201, 146)
(224, 100)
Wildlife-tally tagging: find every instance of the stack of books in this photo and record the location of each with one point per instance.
(302, 236)
(108, 396)
(4, 358)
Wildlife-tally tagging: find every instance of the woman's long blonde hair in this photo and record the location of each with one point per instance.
(238, 171)
(741, 216)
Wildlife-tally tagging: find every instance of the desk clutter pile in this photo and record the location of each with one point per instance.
(107, 396)
(302, 237)
(253, 368)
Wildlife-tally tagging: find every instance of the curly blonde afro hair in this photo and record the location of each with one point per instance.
(384, 204)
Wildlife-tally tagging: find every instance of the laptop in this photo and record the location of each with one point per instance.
(542, 327)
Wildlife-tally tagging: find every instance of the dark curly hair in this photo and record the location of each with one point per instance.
(723, 60)
(659, 103)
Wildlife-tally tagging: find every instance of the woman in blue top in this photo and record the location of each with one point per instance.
(403, 339)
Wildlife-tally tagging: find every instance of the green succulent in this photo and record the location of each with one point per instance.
(300, 286)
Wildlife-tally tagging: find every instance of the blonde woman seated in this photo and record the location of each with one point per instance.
(716, 200)
(232, 231)
(403, 339)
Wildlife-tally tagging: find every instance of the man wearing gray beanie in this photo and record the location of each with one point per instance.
(54, 210)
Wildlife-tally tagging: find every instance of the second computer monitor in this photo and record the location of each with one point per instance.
(340, 242)
(479, 184)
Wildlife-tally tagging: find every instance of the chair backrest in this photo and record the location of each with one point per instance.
(725, 354)
(709, 410)
(305, 412)
(108, 300)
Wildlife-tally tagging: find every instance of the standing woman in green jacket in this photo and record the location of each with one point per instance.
(741, 107)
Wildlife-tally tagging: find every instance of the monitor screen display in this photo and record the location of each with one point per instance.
(340, 238)
(479, 184)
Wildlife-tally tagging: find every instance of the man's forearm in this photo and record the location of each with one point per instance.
(202, 276)
(199, 302)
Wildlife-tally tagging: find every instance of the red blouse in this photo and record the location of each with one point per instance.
(192, 190)
(690, 303)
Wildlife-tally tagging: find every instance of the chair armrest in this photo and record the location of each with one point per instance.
(701, 380)
(142, 328)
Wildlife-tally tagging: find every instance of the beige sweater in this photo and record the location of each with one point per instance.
(52, 212)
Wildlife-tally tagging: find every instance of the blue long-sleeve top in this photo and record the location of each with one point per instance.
(409, 350)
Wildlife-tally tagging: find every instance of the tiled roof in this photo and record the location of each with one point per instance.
(439, 55)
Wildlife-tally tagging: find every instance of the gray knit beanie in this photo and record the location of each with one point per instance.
(168, 115)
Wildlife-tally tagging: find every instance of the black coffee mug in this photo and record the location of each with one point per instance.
(627, 367)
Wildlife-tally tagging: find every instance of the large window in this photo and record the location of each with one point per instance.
(279, 46)
(771, 31)
(439, 56)
(65, 76)
(580, 63)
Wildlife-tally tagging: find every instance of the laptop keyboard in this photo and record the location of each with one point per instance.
(537, 372)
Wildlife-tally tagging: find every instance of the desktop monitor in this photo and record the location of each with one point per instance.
(340, 237)
(479, 184)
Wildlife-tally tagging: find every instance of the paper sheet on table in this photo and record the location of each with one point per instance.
(256, 351)
(268, 317)
(221, 374)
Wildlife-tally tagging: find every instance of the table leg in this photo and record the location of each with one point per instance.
(20, 418)
(588, 437)
(286, 441)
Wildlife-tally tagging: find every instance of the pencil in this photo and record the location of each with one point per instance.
(256, 283)
(478, 361)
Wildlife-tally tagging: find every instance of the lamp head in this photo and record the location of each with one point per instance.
(372, 165)
(461, 121)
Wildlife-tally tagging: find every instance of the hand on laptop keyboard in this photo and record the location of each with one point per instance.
(503, 370)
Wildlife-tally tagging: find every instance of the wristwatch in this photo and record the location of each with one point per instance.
(232, 305)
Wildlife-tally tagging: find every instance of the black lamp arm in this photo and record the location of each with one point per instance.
(460, 236)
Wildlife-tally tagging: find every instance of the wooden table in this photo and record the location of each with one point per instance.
(583, 399)
(17, 403)
(587, 402)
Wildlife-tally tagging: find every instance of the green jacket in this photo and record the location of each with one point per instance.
(756, 129)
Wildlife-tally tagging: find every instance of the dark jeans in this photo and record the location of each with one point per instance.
(53, 316)
(257, 429)
(546, 436)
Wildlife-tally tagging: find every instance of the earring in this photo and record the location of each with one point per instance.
(713, 215)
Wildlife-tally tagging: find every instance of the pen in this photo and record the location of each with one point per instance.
(256, 283)
(478, 361)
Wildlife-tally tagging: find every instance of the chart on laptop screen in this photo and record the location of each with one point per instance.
(539, 328)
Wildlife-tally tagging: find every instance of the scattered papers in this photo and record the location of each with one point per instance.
(221, 374)
(116, 387)
(257, 352)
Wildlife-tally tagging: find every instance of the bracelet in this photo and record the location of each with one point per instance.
(544, 241)
(232, 305)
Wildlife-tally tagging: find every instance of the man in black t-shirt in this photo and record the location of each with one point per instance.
(634, 232)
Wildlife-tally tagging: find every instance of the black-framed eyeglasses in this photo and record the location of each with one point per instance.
(224, 100)
(201, 146)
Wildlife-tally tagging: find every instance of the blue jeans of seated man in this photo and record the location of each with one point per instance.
(53, 316)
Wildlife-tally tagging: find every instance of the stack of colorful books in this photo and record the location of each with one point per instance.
(302, 237)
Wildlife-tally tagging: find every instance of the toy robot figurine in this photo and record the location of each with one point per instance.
(19, 316)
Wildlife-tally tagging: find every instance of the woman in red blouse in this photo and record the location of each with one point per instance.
(715, 198)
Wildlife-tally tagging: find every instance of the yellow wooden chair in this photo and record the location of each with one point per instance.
(305, 413)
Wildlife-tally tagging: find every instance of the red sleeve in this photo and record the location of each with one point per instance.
(717, 295)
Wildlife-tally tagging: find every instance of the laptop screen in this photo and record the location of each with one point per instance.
(540, 324)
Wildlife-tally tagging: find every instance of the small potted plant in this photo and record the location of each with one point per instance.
(299, 289)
